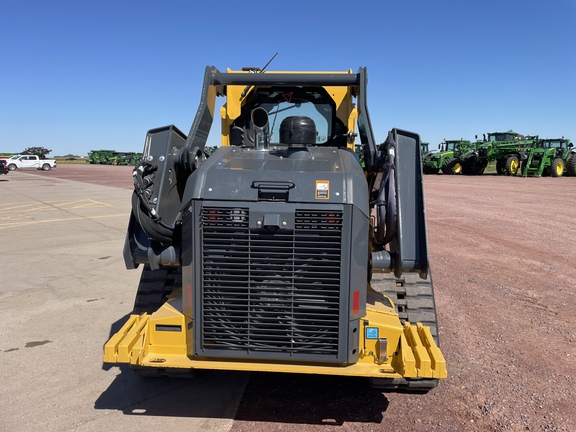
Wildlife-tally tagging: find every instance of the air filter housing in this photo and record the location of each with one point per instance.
(298, 130)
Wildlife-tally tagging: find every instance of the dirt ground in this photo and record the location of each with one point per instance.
(503, 263)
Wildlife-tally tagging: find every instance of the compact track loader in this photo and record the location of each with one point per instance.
(281, 251)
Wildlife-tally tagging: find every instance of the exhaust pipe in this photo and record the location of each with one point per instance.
(260, 129)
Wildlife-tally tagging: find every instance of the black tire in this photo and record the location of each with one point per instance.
(12, 167)
(46, 167)
(452, 166)
(571, 165)
(426, 169)
(478, 166)
(512, 165)
(429, 170)
(446, 166)
(501, 167)
(467, 166)
(473, 166)
(557, 167)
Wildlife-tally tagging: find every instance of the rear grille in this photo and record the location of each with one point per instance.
(270, 293)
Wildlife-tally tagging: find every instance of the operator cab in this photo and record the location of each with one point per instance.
(288, 116)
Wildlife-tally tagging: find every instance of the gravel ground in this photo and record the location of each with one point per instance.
(503, 263)
(502, 260)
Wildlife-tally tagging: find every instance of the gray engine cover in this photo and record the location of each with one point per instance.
(255, 242)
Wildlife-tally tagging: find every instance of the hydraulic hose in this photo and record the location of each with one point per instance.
(386, 205)
(144, 212)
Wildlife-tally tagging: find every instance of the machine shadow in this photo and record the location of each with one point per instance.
(264, 397)
(310, 399)
(208, 394)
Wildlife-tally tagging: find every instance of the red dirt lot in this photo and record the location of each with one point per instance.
(105, 175)
(503, 262)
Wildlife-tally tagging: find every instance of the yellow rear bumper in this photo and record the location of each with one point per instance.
(162, 340)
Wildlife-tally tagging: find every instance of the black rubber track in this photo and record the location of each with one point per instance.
(414, 301)
(155, 287)
(412, 296)
(153, 291)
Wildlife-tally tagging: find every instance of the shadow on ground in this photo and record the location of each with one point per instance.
(208, 394)
(256, 396)
(310, 399)
(253, 397)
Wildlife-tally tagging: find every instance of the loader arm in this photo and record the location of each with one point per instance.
(401, 210)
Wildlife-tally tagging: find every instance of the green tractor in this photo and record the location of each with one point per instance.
(424, 148)
(551, 157)
(102, 157)
(424, 151)
(461, 151)
(125, 158)
(507, 149)
(112, 157)
(433, 161)
(443, 159)
(130, 158)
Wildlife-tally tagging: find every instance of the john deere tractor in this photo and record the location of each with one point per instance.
(552, 157)
(508, 149)
(443, 159)
(424, 148)
(280, 251)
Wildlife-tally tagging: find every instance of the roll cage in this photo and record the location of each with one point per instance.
(245, 90)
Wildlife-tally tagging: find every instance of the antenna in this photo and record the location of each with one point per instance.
(270, 61)
(260, 71)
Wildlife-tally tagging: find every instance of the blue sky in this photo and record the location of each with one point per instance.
(82, 75)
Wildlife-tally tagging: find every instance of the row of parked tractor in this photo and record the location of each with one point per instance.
(512, 153)
(113, 157)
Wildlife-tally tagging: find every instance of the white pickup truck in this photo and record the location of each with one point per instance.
(30, 161)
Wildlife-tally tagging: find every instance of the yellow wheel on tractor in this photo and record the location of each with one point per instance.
(512, 165)
(557, 168)
(451, 166)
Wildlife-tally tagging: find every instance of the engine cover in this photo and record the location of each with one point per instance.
(278, 256)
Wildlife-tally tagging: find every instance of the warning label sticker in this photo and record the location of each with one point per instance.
(322, 189)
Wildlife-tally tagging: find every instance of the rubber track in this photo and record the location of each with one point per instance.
(153, 291)
(155, 287)
(413, 298)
